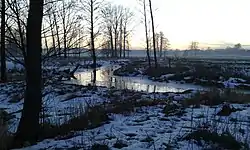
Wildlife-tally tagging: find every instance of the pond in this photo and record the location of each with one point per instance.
(105, 77)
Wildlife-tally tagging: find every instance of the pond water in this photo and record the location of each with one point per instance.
(105, 77)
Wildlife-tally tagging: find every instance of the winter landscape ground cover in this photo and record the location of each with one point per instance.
(78, 115)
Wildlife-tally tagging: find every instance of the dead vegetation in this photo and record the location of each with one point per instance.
(214, 140)
(216, 97)
(89, 118)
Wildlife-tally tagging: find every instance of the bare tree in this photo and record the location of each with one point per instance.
(16, 28)
(194, 46)
(3, 58)
(57, 33)
(52, 24)
(157, 41)
(163, 42)
(92, 37)
(63, 22)
(107, 16)
(106, 51)
(121, 35)
(33, 96)
(63, 14)
(91, 9)
(153, 31)
(117, 20)
(146, 31)
(118, 11)
(127, 17)
(238, 46)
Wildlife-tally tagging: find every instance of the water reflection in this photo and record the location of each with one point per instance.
(104, 77)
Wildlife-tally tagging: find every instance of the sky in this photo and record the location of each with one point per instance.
(204, 21)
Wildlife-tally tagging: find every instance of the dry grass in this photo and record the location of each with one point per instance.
(129, 106)
(92, 117)
(217, 97)
(215, 140)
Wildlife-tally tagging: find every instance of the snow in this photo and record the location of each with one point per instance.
(11, 65)
(62, 100)
(145, 123)
(131, 128)
(233, 82)
(187, 78)
(166, 76)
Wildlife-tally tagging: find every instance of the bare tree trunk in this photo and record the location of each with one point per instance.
(52, 32)
(161, 45)
(111, 42)
(157, 44)
(57, 35)
(153, 30)
(21, 33)
(127, 42)
(28, 129)
(64, 32)
(116, 42)
(120, 38)
(79, 43)
(146, 32)
(92, 41)
(3, 57)
(46, 42)
(124, 41)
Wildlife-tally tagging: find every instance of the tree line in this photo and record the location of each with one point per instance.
(32, 31)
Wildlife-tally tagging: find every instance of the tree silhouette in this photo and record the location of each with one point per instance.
(153, 30)
(238, 46)
(3, 57)
(28, 129)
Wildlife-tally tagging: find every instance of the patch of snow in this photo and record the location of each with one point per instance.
(187, 78)
(13, 66)
(235, 80)
(166, 76)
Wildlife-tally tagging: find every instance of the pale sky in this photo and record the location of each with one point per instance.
(205, 21)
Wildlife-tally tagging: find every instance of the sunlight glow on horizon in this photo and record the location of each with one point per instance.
(205, 21)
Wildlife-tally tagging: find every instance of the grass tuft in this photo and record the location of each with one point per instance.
(93, 117)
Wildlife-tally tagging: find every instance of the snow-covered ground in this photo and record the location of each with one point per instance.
(160, 126)
(13, 66)
(147, 128)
